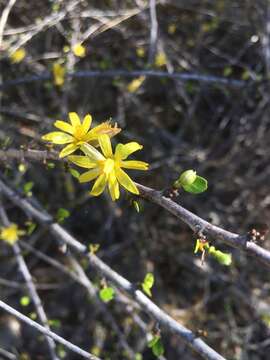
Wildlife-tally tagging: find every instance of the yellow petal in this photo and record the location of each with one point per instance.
(105, 144)
(99, 185)
(58, 137)
(123, 151)
(89, 175)
(69, 149)
(113, 186)
(92, 153)
(104, 128)
(126, 181)
(74, 119)
(134, 164)
(62, 125)
(87, 122)
(82, 161)
(135, 84)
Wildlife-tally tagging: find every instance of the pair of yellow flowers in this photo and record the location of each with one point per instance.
(104, 166)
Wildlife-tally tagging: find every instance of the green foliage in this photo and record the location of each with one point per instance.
(221, 257)
(156, 345)
(62, 214)
(198, 186)
(55, 323)
(27, 187)
(191, 182)
(107, 294)
(25, 300)
(148, 283)
(30, 227)
(74, 173)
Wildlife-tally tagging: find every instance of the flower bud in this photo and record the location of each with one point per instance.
(187, 178)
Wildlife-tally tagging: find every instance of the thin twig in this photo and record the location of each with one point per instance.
(30, 286)
(4, 19)
(47, 332)
(153, 31)
(181, 76)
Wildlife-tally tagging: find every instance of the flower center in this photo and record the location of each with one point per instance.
(108, 166)
(79, 132)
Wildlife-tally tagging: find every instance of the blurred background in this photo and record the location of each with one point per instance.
(214, 119)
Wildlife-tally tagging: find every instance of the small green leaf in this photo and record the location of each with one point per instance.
(62, 214)
(30, 227)
(156, 345)
(148, 283)
(50, 165)
(27, 187)
(106, 294)
(74, 173)
(25, 300)
(198, 186)
(221, 257)
(55, 323)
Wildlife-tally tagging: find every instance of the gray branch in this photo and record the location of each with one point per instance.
(46, 332)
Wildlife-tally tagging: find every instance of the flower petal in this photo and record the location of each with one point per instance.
(113, 186)
(123, 151)
(82, 161)
(69, 149)
(134, 164)
(58, 137)
(99, 185)
(91, 152)
(105, 144)
(74, 119)
(126, 181)
(89, 175)
(62, 125)
(87, 121)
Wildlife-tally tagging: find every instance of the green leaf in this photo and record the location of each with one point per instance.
(198, 186)
(74, 173)
(50, 165)
(55, 323)
(27, 187)
(148, 283)
(25, 300)
(62, 214)
(30, 227)
(156, 345)
(221, 257)
(106, 294)
(158, 348)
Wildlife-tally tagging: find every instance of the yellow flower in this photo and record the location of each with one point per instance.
(79, 50)
(135, 84)
(160, 59)
(58, 74)
(106, 168)
(17, 56)
(76, 133)
(11, 233)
